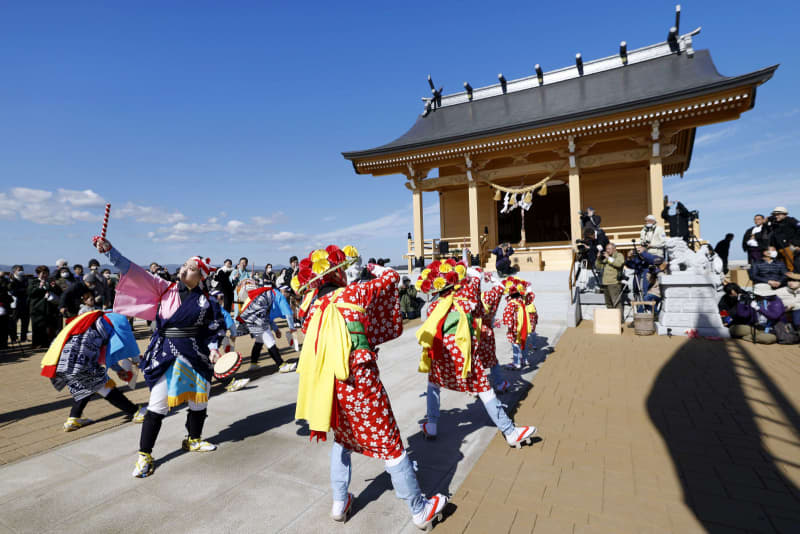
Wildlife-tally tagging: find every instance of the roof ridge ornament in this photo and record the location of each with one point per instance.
(675, 44)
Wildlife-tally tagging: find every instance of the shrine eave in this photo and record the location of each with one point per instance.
(648, 83)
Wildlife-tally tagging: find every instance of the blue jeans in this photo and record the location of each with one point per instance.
(493, 407)
(517, 351)
(796, 318)
(404, 479)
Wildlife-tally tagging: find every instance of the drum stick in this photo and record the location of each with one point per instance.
(105, 221)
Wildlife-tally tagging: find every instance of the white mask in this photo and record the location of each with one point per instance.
(19, 275)
(649, 225)
(772, 253)
(64, 275)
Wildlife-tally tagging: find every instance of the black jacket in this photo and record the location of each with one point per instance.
(762, 238)
(781, 233)
(592, 222)
(678, 223)
(71, 298)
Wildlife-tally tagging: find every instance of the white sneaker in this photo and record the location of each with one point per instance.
(512, 367)
(138, 417)
(238, 384)
(74, 423)
(144, 466)
(521, 435)
(502, 387)
(432, 512)
(197, 445)
(428, 430)
(287, 367)
(340, 511)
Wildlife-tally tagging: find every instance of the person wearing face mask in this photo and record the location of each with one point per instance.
(72, 298)
(756, 239)
(43, 298)
(769, 274)
(18, 287)
(653, 236)
(110, 289)
(100, 282)
(178, 362)
(783, 230)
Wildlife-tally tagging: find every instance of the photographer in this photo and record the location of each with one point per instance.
(757, 316)
(590, 220)
(611, 263)
(783, 229)
(641, 262)
(653, 237)
(679, 221)
(503, 262)
(409, 303)
(593, 242)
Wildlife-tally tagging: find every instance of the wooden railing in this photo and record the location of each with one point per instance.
(430, 248)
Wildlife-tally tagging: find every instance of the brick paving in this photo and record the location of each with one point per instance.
(647, 434)
(33, 412)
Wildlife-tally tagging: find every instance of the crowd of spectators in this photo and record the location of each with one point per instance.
(35, 306)
(771, 312)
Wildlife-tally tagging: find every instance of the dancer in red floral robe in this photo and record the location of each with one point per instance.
(520, 318)
(340, 386)
(452, 352)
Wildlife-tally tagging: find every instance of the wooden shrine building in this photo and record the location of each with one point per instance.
(601, 133)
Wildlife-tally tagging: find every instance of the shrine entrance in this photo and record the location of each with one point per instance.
(547, 221)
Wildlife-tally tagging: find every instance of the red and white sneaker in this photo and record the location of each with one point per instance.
(502, 387)
(341, 509)
(432, 512)
(429, 430)
(521, 435)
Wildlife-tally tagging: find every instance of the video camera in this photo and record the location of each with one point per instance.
(382, 261)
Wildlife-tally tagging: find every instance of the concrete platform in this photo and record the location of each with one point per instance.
(265, 477)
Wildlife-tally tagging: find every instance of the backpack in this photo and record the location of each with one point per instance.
(786, 334)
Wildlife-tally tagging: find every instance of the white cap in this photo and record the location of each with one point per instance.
(650, 217)
(61, 262)
(780, 209)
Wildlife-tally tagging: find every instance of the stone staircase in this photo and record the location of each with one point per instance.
(552, 296)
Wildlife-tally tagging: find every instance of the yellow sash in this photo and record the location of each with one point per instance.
(524, 318)
(320, 365)
(427, 333)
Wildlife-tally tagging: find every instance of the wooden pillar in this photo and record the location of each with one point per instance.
(474, 227)
(419, 250)
(574, 203)
(574, 192)
(656, 189)
(655, 186)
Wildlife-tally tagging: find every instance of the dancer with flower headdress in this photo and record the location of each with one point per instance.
(520, 317)
(340, 386)
(491, 299)
(452, 353)
(178, 362)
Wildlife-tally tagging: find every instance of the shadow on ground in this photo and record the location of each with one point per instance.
(700, 407)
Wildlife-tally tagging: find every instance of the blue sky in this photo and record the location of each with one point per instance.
(216, 127)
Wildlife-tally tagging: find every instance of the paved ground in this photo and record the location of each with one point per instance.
(265, 477)
(647, 434)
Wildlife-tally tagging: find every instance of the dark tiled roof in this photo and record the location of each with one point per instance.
(660, 80)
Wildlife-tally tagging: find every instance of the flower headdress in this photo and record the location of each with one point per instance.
(513, 285)
(441, 275)
(320, 264)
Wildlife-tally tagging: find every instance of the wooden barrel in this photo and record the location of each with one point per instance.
(644, 320)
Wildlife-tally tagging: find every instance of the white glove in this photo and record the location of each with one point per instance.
(754, 305)
(752, 243)
(600, 248)
(2, 311)
(376, 269)
(473, 272)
